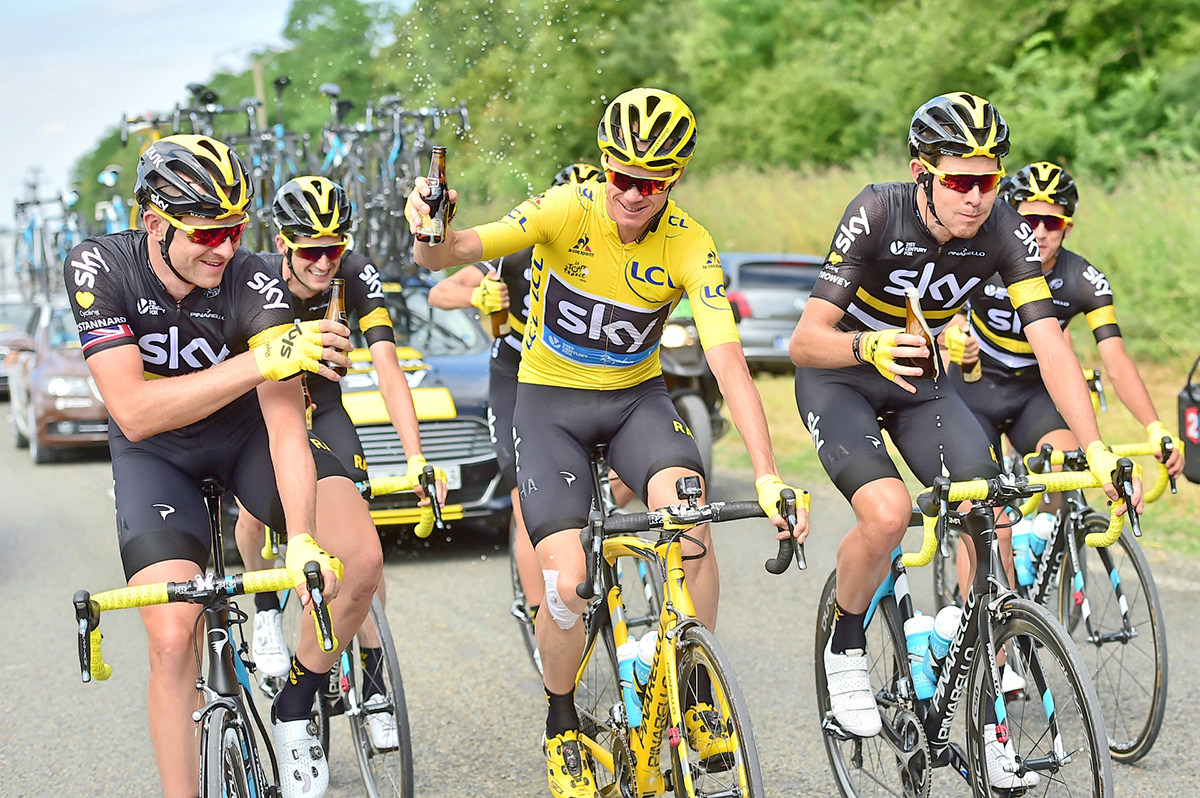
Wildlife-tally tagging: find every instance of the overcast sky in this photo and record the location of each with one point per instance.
(72, 67)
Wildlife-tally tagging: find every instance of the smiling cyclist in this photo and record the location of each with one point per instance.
(942, 234)
(610, 261)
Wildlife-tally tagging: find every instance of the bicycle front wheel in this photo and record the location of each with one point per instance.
(228, 764)
(715, 767)
(384, 755)
(324, 703)
(1122, 639)
(597, 692)
(1054, 725)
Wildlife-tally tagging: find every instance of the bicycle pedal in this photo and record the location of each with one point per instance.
(831, 727)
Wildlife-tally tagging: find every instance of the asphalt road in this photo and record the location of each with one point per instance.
(475, 704)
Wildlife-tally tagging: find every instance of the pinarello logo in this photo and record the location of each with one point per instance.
(1191, 424)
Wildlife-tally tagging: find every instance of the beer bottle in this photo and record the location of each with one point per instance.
(976, 371)
(915, 324)
(336, 312)
(308, 402)
(432, 229)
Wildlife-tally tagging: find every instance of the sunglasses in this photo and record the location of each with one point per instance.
(314, 253)
(644, 185)
(210, 236)
(1051, 221)
(963, 182)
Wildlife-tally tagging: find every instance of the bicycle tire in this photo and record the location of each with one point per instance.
(864, 767)
(735, 773)
(597, 691)
(1130, 673)
(386, 773)
(946, 592)
(520, 605)
(1056, 673)
(227, 763)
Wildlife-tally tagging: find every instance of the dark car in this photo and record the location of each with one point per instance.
(55, 404)
(14, 316)
(769, 291)
(444, 354)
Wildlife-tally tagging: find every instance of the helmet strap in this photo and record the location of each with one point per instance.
(926, 180)
(164, 247)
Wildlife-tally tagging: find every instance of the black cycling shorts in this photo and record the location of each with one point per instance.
(160, 508)
(555, 429)
(1016, 405)
(846, 409)
(502, 399)
(332, 424)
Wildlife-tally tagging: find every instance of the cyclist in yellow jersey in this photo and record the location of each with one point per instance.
(609, 263)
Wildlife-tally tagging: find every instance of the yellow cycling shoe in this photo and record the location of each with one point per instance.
(708, 735)
(569, 773)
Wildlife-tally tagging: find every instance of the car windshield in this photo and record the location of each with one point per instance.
(777, 289)
(62, 333)
(430, 330)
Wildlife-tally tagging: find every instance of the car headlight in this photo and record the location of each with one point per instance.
(68, 386)
(675, 336)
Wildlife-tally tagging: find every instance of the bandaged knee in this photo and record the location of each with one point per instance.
(558, 608)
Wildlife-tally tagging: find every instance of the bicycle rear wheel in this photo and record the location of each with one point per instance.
(387, 772)
(737, 771)
(228, 765)
(1055, 725)
(1123, 640)
(864, 767)
(520, 606)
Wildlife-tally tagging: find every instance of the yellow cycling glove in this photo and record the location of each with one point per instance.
(768, 487)
(1102, 462)
(876, 348)
(1156, 431)
(298, 348)
(302, 549)
(415, 466)
(487, 297)
(956, 343)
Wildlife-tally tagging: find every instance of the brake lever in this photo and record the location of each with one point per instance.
(589, 540)
(1123, 481)
(428, 480)
(788, 547)
(1167, 448)
(86, 623)
(312, 576)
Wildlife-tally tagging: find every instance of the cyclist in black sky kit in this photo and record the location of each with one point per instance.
(193, 347)
(943, 235)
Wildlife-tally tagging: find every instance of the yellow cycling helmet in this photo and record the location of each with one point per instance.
(650, 128)
(312, 206)
(958, 124)
(1042, 182)
(193, 175)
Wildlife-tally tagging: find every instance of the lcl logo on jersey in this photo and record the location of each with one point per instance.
(640, 277)
(849, 231)
(593, 331)
(165, 349)
(269, 287)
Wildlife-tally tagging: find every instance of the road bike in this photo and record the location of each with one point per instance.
(1100, 587)
(1055, 726)
(385, 763)
(640, 584)
(230, 759)
(710, 744)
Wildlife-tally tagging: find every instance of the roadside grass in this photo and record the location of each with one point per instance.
(1170, 525)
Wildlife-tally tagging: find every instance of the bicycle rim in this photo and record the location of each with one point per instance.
(1127, 664)
(737, 772)
(1057, 714)
(864, 767)
(227, 765)
(387, 773)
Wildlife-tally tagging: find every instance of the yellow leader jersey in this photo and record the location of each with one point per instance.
(598, 306)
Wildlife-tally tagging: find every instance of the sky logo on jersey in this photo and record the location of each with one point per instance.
(849, 231)
(164, 349)
(592, 331)
(103, 335)
(370, 276)
(269, 287)
(86, 266)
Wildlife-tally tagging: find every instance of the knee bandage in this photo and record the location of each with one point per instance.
(558, 608)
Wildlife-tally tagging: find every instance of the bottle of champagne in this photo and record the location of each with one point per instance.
(336, 312)
(432, 229)
(915, 324)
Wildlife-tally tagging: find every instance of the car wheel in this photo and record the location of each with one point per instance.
(19, 439)
(37, 452)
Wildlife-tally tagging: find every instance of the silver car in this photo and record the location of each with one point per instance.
(768, 292)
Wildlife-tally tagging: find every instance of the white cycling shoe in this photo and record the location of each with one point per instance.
(268, 650)
(850, 694)
(303, 770)
(382, 723)
(1011, 681)
(1002, 763)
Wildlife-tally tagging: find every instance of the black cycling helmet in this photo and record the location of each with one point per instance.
(576, 173)
(193, 176)
(959, 124)
(1041, 182)
(312, 206)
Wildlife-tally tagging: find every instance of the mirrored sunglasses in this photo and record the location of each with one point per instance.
(1051, 221)
(210, 236)
(644, 185)
(963, 182)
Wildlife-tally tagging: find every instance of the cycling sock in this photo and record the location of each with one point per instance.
(372, 665)
(561, 715)
(266, 601)
(698, 689)
(533, 611)
(295, 700)
(848, 630)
